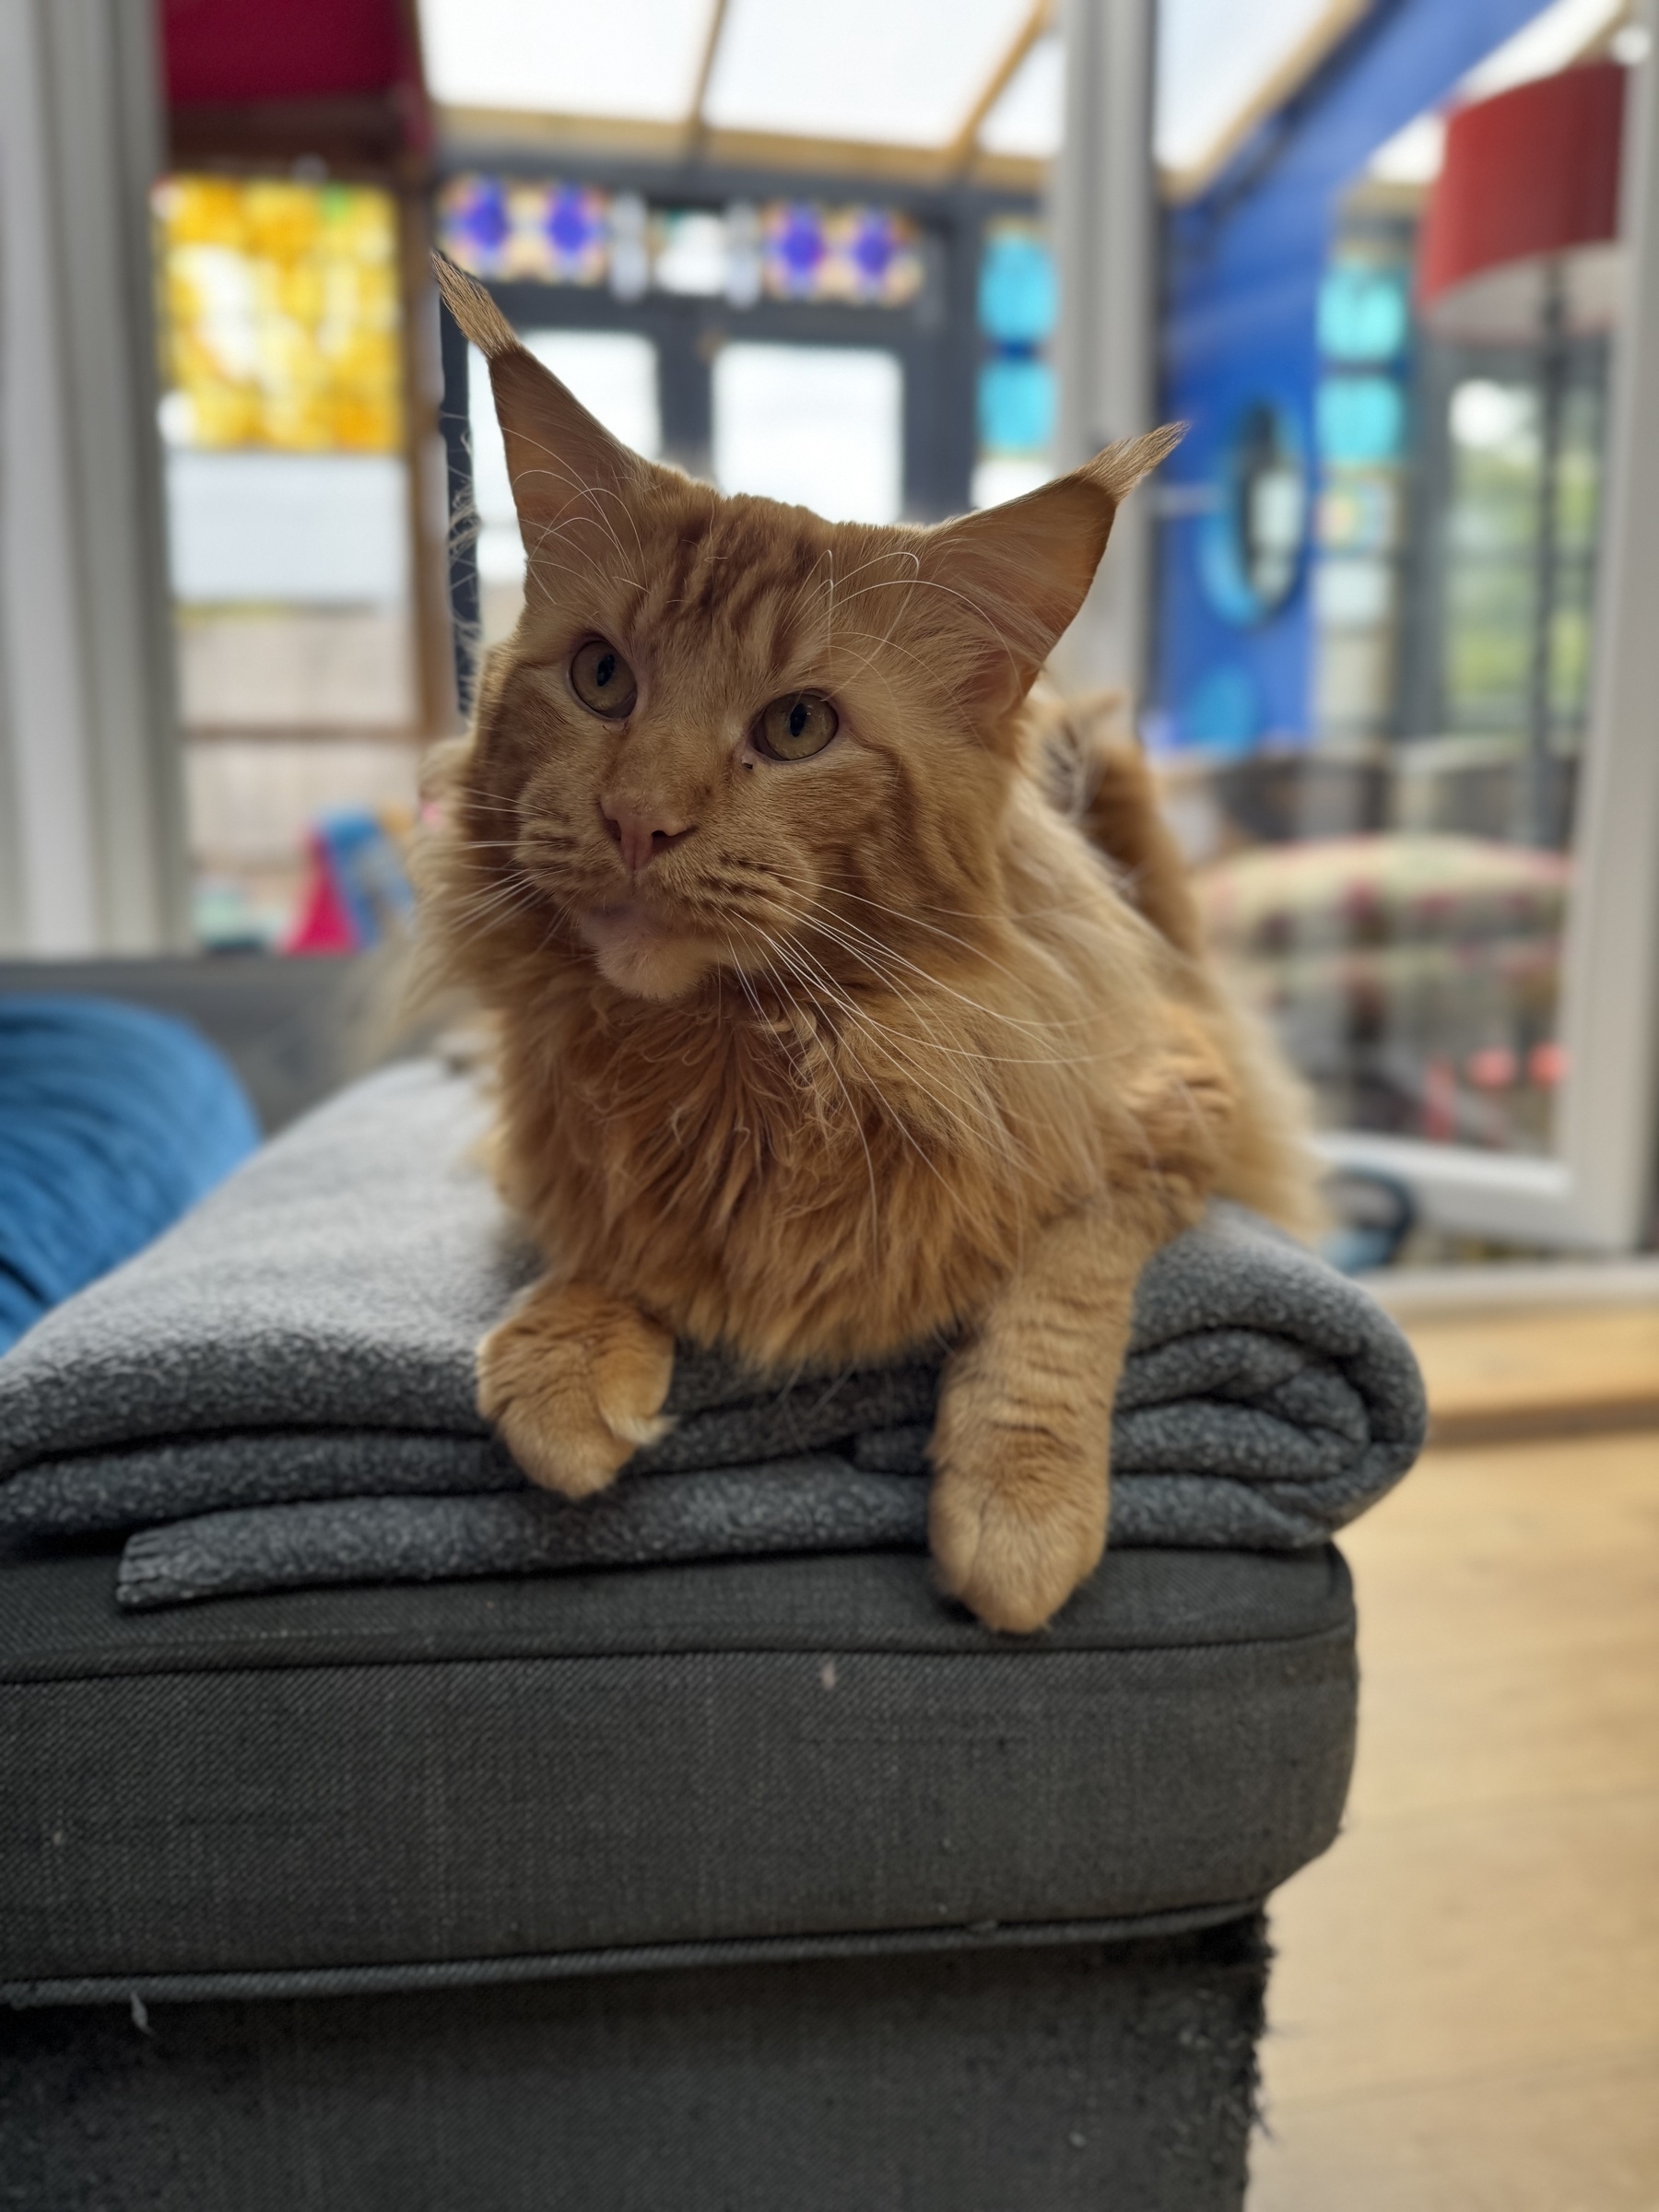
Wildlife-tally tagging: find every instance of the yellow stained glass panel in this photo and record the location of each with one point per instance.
(280, 314)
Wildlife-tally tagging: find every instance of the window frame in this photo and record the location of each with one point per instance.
(1595, 1190)
(936, 337)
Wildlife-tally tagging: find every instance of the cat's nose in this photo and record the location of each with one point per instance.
(642, 834)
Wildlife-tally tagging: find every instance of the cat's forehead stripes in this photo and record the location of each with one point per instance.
(739, 587)
(732, 570)
(763, 583)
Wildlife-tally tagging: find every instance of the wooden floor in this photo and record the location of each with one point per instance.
(1518, 1374)
(1465, 2014)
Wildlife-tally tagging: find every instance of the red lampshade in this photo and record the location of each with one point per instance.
(1532, 172)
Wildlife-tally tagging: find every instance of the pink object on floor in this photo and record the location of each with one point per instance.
(323, 925)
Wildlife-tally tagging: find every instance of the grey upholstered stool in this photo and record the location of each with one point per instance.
(770, 1887)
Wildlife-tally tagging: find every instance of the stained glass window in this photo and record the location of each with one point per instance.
(1362, 430)
(1018, 294)
(1364, 311)
(287, 492)
(281, 315)
(538, 233)
(556, 232)
(1361, 419)
(1017, 406)
(1018, 303)
(868, 256)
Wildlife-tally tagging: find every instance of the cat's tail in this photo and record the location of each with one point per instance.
(1098, 773)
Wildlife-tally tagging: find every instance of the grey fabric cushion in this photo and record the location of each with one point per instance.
(485, 1775)
(1059, 2080)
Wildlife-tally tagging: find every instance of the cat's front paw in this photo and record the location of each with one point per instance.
(573, 1383)
(1016, 1519)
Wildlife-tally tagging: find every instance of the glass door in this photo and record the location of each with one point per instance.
(1397, 704)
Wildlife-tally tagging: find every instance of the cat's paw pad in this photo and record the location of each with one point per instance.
(1012, 1533)
(573, 1384)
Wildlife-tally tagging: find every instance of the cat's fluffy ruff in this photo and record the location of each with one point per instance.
(878, 1051)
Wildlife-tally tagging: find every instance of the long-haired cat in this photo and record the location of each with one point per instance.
(847, 1000)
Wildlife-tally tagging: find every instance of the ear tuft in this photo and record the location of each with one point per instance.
(560, 459)
(473, 308)
(1120, 468)
(1024, 568)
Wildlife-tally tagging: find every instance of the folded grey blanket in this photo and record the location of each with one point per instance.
(279, 1392)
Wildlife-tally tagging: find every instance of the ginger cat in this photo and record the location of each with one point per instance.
(848, 1001)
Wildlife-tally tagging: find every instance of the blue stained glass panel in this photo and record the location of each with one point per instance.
(861, 256)
(1016, 405)
(1019, 295)
(794, 247)
(538, 232)
(545, 231)
(472, 223)
(872, 248)
(1364, 312)
(576, 231)
(1361, 419)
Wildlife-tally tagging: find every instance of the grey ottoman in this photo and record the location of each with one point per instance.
(767, 1886)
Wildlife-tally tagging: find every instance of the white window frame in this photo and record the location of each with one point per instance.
(1596, 1190)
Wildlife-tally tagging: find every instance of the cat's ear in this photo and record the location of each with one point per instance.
(558, 456)
(1020, 571)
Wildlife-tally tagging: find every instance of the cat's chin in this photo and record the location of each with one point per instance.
(638, 954)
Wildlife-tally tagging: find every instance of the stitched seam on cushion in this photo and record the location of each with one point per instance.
(596, 1963)
(1339, 1632)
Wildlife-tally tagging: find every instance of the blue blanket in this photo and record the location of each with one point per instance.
(114, 1121)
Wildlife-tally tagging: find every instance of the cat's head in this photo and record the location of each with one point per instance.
(727, 735)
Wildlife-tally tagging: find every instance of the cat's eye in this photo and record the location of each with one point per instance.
(793, 729)
(603, 680)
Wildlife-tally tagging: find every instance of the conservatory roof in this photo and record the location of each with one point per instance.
(922, 87)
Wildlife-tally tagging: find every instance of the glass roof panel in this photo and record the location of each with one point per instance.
(635, 59)
(894, 72)
(1029, 116)
(1553, 39)
(1414, 155)
(1215, 59)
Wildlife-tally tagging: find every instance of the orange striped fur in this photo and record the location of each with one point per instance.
(886, 1048)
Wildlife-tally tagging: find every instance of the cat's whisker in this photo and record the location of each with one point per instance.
(860, 943)
(486, 925)
(978, 1118)
(857, 938)
(883, 647)
(890, 1113)
(496, 904)
(588, 490)
(877, 959)
(494, 891)
(919, 1058)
